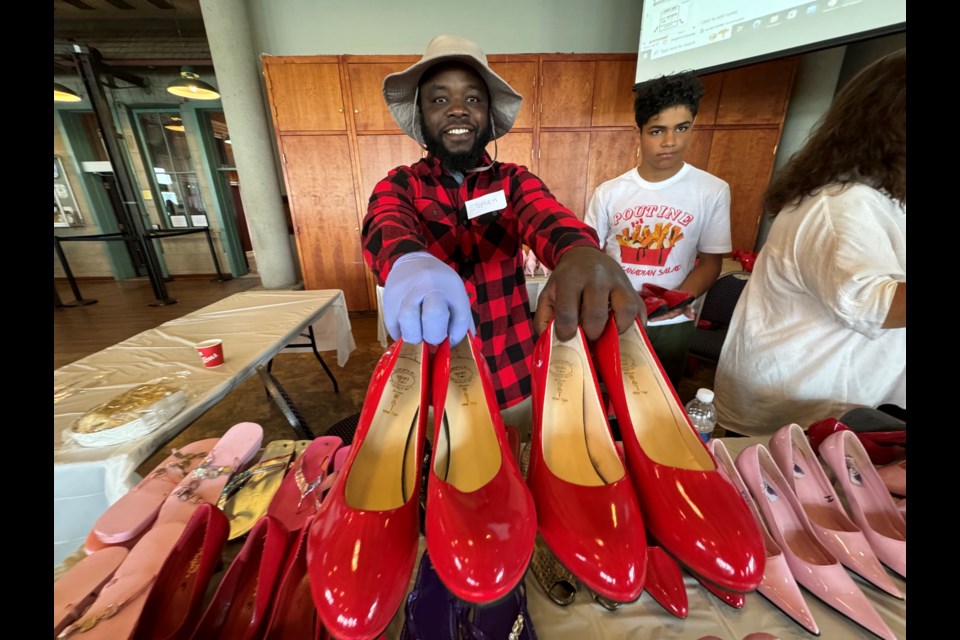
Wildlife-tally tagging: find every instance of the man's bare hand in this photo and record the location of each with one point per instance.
(586, 286)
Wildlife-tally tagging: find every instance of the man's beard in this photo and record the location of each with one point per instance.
(462, 161)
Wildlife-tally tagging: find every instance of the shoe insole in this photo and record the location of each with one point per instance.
(383, 475)
(817, 498)
(577, 444)
(789, 524)
(658, 419)
(871, 494)
(467, 453)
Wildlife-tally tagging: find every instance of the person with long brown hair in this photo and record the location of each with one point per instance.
(821, 327)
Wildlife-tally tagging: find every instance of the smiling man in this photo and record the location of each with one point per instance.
(444, 236)
(665, 221)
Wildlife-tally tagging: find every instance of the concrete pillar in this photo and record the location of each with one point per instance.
(238, 79)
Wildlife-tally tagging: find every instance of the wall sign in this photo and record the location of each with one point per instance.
(66, 213)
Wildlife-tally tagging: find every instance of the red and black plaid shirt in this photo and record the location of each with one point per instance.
(422, 208)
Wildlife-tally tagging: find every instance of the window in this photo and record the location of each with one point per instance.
(171, 169)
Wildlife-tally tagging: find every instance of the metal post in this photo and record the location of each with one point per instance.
(216, 263)
(79, 301)
(131, 209)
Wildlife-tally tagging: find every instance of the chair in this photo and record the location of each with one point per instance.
(715, 314)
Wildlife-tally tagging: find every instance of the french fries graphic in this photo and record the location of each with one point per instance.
(663, 236)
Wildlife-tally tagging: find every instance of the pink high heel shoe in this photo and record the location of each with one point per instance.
(587, 512)
(894, 478)
(871, 505)
(481, 523)
(810, 562)
(778, 584)
(838, 533)
(362, 544)
(687, 505)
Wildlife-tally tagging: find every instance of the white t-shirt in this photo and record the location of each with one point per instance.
(805, 342)
(655, 229)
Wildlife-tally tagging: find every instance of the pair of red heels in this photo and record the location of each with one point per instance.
(480, 522)
(594, 505)
(883, 447)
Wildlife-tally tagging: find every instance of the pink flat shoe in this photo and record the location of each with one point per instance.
(116, 611)
(363, 541)
(587, 512)
(838, 533)
(688, 507)
(481, 523)
(78, 588)
(664, 582)
(138, 508)
(894, 477)
(810, 562)
(203, 485)
(778, 584)
(871, 505)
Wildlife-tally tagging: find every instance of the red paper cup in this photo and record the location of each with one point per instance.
(211, 352)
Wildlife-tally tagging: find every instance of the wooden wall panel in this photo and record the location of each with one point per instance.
(522, 76)
(370, 111)
(698, 153)
(380, 154)
(757, 94)
(613, 93)
(612, 153)
(515, 147)
(324, 210)
(712, 85)
(305, 97)
(564, 156)
(566, 93)
(744, 158)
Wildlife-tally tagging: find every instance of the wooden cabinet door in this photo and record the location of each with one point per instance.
(612, 153)
(304, 96)
(757, 94)
(712, 85)
(323, 206)
(378, 155)
(515, 147)
(613, 93)
(370, 111)
(566, 93)
(522, 76)
(563, 158)
(744, 158)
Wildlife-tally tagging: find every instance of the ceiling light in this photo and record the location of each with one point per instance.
(175, 124)
(190, 86)
(63, 93)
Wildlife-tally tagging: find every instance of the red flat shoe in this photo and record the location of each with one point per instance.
(175, 603)
(689, 507)
(241, 603)
(586, 509)
(481, 523)
(363, 541)
(665, 582)
(730, 598)
(880, 454)
(293, 615)
(654, 305)
(672, 297)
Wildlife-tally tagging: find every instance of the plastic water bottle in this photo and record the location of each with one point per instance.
(702, 413)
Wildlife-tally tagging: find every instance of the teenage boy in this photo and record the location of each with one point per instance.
(666, 222)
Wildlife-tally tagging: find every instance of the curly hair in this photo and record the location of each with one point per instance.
(862, 138)
(653, 96)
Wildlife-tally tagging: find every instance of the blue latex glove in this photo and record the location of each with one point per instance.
(425, 300)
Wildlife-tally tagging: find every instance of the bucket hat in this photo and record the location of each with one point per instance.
(400, 89)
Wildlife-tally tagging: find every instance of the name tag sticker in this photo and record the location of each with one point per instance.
(485, 204)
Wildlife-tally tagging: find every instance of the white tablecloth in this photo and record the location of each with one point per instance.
(254, 326)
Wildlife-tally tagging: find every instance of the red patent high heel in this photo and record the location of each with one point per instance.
(689, 508)
(481, 523)
(363, 542)
(586, 509)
